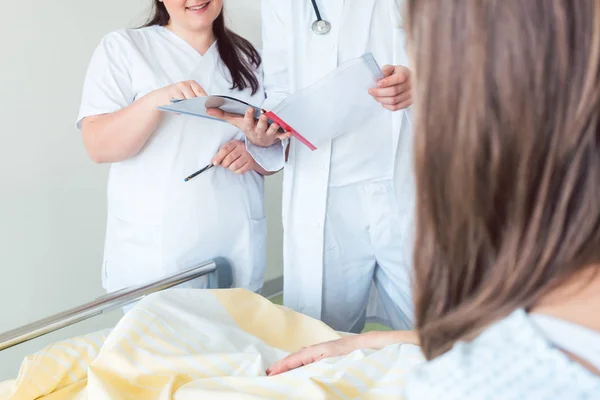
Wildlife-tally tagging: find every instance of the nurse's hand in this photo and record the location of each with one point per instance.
(258, 131)
(235, 157)
(394, 91)
(178, 91)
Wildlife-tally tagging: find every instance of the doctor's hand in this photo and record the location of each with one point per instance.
(178, 91)
(258, 131)
(234, 156)
(394, 91)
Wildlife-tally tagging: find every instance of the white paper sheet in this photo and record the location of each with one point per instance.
(337, 104)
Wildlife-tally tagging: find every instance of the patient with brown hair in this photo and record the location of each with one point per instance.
(507, 157)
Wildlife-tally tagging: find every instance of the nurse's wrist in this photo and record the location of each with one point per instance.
(153, 100)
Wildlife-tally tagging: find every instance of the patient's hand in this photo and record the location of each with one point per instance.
(309, 355)
(341, 347)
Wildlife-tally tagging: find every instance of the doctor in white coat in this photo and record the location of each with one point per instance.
(348, 206)
(158, 224)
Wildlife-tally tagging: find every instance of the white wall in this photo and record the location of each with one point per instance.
(52, 198)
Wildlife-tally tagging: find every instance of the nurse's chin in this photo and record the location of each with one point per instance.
(200, 22)
(197, 25)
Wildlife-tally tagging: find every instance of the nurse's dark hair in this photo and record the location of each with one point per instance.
(507, 158)
(239, 55)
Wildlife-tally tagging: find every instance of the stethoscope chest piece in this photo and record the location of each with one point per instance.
(321, 27)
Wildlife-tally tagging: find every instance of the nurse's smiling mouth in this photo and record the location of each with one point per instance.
(198, 9)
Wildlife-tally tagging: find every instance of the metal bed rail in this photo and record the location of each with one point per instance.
(219, 276)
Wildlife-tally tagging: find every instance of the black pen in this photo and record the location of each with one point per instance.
(195, 174)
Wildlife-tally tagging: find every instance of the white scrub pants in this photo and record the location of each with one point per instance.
(365, 243)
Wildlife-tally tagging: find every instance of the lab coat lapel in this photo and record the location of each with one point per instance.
(358, 24)
(303, 253)
(401, 119)
(308, 186)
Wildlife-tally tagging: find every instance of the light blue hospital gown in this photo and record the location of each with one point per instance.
(511, 360)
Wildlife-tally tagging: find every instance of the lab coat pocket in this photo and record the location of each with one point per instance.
(258, 250)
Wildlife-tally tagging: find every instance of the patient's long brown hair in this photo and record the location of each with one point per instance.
(507, 153)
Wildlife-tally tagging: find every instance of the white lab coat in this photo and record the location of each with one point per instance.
(286, 25)
(157, 224)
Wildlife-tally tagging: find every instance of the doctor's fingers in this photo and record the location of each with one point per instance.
(400, 75)
(239, 162)
(225, 151)
(233, 156)
(274, 133)
(388, 70)
(273, 130)
(283, 136)
(234, 119)
(390, 90)
(402, 97)
(398, 106)
(262, 126)
(244, 168)
(249, 123)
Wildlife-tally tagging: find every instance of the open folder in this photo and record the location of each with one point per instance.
(334, 105)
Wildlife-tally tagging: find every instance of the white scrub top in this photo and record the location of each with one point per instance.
(158, 224)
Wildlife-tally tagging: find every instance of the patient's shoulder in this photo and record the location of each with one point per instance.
(509, 360)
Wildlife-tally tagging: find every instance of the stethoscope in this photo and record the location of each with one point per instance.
(320, 26)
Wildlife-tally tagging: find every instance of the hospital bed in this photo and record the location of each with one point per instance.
(219, 276)
(193, 343)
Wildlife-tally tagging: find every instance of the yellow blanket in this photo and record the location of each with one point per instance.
(196, 344)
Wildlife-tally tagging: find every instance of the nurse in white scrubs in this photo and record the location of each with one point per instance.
(157, 223)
